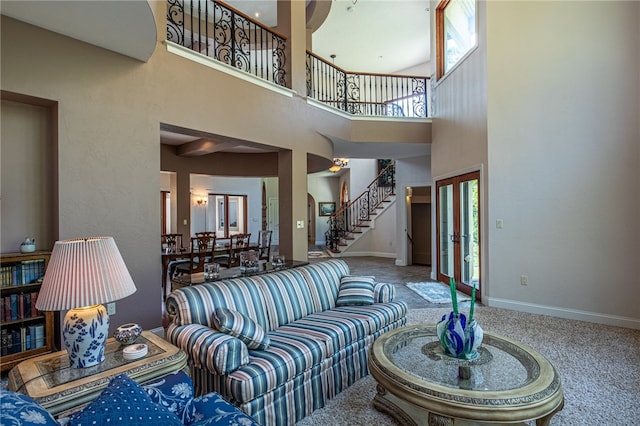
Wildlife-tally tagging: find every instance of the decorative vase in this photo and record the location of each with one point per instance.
(85, 333)
(127, 334)
(28, 245)
(459, 338)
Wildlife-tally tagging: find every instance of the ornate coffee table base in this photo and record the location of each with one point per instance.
(408, 414)
(416, 391)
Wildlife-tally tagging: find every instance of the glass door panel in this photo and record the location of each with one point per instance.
(458, 209)
(446, 230)
(469, 233)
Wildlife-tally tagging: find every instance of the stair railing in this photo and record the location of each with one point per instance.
(355, 213)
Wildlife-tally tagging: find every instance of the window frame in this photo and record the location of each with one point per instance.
(440, 40)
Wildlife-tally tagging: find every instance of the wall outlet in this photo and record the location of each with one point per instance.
(524, 280)
(111, 308)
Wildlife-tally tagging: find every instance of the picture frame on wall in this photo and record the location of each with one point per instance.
(326, 208)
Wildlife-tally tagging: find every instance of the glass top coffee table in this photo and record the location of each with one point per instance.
(418, 384)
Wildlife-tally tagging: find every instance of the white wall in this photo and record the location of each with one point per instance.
(361, 173)
(564, 154)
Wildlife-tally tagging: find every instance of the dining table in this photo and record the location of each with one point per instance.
(222, 247)
(186, 280)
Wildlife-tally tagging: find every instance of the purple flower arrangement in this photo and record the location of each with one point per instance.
(459, 337)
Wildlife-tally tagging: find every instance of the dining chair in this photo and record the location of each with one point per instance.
(264, 244)
(237, 244)
(171, 243)
(201, 253)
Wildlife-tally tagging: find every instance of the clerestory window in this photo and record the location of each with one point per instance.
(456, 33)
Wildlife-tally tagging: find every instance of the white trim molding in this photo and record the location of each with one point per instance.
(573, 314)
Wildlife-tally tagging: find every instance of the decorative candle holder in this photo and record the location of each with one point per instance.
(458, 337)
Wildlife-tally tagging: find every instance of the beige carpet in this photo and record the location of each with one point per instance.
(599, 367)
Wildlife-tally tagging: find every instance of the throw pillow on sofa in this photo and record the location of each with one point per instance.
(124, 402)
(356, 291)
(22, 410)
(241, 326)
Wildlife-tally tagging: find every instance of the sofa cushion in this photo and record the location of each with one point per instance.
(287, 296)
(335, 330)
(173, 391)
(323, 279)
(212, 409)
(355, 291)
(239, 325)
(22, 410)
(374, 317)
(124, 401)
(288, 356)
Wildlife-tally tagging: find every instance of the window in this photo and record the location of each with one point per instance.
(229, 214)
(455, 33)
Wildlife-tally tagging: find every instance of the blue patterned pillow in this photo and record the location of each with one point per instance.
(212, 409)
(356, 291)
(241, 326)
(21, 410)
(172, 391)
(124, 402)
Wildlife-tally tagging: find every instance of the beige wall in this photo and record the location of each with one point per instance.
(561, 147)
(110, 111)
(27, 190)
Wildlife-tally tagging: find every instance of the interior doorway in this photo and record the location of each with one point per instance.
(420, 230)
(458, 231)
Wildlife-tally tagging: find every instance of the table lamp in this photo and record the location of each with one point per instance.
(82, 274)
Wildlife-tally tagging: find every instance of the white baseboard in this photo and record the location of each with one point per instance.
(573, 314)
(368, 253)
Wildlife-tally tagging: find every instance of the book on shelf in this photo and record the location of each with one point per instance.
(7, 308)
(34, 299)
(6, 276)
(15, 344)
(31, 271)
(14, 306)
(4, 342)
(40, 337)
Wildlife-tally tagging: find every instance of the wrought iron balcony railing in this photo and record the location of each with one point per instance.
(366, 94)
(217, 30)
(227, 35)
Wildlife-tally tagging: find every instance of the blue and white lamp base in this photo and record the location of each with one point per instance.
(85, 333)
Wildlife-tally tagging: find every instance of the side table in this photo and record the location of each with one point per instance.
(63, 390)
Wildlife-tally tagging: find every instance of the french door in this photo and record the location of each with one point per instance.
(458, 231)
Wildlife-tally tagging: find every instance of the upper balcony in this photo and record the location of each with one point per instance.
(227, 35)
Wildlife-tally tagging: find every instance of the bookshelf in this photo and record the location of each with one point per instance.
(24, 331)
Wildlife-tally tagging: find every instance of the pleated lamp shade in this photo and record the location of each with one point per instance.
(84, 272)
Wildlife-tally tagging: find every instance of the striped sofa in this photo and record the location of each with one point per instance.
(280, 345)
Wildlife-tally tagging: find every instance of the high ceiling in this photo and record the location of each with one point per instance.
(378, 36)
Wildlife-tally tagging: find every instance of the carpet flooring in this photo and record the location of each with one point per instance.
(436, 292)
(598, 366)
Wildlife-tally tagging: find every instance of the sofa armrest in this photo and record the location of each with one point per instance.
(220, 353)
(383, 293)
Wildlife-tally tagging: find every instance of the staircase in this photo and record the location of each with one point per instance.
(354, 218)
